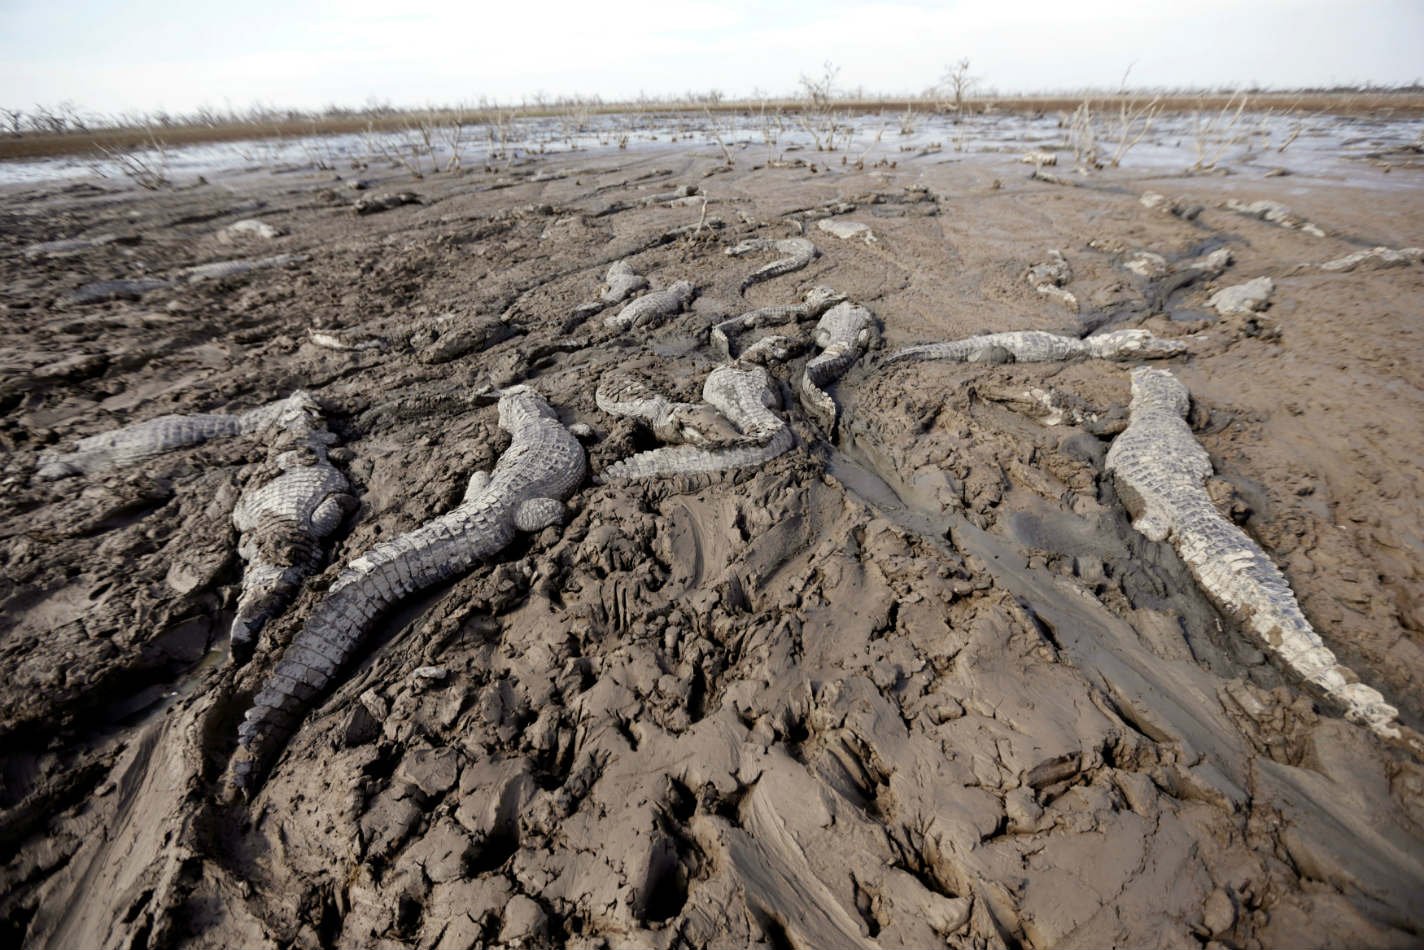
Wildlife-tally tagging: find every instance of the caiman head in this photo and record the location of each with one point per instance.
(521, 404)
(1134, 344)
(684, 291)
(820, 299)
(1158, 389)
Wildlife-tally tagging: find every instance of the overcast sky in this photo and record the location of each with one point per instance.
(144, 55)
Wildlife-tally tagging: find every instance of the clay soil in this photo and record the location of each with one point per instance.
(915, 684)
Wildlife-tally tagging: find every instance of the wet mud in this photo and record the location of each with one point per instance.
(915, 682)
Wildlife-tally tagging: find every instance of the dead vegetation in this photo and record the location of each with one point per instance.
(145, 165)
(819, 115)
(65, 130)
(1122, 122)
(958, 83)
(430, 143)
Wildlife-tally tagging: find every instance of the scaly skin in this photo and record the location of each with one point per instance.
(798, 250)
(1247, 298)
(1376, 258)
(133, 289)
(220, 269)
(620, 283)
(652, 309)
(250, 228)
(102, 290)
(743, 395)
(1049, 277)
(816, 302)
(144, 440)
(1036, 346)
(773, 348)
(1053, 407)
(375, 204)
(332, 341)
(542, 466)
(844, 334)
(1207, 265)
(1168, 279)
(677, 194)
(67, 247)
(679, 422)
(1054, 272)
(1274, 212)
(282, 519)
(1161, 471)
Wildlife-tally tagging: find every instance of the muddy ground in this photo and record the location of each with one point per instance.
(916, 684)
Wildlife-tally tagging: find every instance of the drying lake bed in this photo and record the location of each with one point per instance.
(914, 678)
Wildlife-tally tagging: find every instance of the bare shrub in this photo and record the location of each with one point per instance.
(146, 166)
(715, 131)
(575, 121)
(1090, 133)
(819, 90)
(818, 115)
(418, 147)
(1134, 119)
(318, 150)
(499, 132)
(1083, 138)
(860, 159)
(772, 128)
(958, 83)
(907, 121)
(1214, 133)
(451, 133)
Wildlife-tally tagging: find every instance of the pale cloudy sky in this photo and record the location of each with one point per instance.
(117, 55)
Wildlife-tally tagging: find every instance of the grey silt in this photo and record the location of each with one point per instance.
(844, 334)
(743, 395)
(297, 500)
(1161, 470)
(1037, 346)
(542, 466)
(144, 440)
(798, 253)
(816, 302)
(653, 308)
